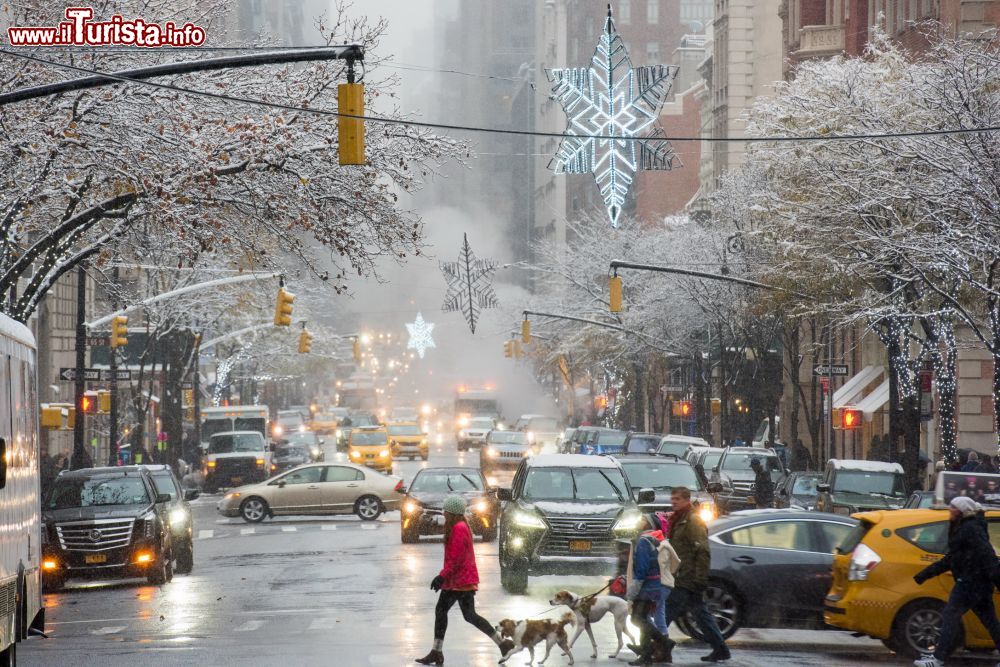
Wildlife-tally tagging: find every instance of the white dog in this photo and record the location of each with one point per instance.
(591, 610)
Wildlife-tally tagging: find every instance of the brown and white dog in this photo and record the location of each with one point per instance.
(526, 634)
(592, 609)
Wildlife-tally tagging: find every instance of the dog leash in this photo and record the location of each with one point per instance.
(549, 610)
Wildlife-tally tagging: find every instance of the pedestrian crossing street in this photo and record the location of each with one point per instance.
(236, 530)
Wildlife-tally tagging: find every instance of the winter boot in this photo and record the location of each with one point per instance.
(717, 655)
(435, 657)
(928, 661)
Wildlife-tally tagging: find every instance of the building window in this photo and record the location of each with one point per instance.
(652, 11)
(624, 11)
(652, 53)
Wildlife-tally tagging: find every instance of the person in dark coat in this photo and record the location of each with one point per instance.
(972, 562)
(763, 487)
(971, 463)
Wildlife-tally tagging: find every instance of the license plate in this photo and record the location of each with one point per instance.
(579, 545)
(236, 480)
(92, 559)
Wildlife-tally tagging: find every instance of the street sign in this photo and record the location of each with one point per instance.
(95, 374)
(830, 369)
(671, 388)
(98, 341)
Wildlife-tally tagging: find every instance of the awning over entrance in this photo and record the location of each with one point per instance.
(853, 389)
(875, 400)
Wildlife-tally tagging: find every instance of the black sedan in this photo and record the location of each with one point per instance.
(770, 568)
(421, 508)
(798, 491)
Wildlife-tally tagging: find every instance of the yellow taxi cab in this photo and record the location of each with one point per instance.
(369, 445)
(873, 592)
(408, 440)
(325, 422)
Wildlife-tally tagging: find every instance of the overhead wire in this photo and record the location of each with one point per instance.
(490, 130)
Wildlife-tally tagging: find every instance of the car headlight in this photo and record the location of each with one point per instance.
(302, 429)
(707, 511)
(410, 507)
(355, 454)
(531, 436)
(340, 433)
(482, 506)
(492, 453)
(463, 434)
(528, 520)
(231, 496)
(315, 451)
(628, 521)
(463, 422)
(178, 517)
(384, 453)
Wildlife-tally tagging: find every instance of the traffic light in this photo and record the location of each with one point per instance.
(615, 294)
(517, 349)
(283, 308)
(526, 331)
(88, 403)
(305, 342)
(51, 416)
(508, 349)
(104, 401)
(682, 409)
(847, 419)
(357, 350)
(351, 131)
(119, 331)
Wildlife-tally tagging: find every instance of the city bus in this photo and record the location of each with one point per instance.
(20, 505)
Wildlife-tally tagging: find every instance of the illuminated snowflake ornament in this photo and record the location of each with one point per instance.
(469, 287)
(420, 336)
(612, 99)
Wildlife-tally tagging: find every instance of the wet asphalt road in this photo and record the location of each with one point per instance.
(336, 591)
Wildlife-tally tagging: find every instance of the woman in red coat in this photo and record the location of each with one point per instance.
(457, 582)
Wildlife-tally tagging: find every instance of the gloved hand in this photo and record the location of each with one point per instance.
(436, 583)
(919, 578)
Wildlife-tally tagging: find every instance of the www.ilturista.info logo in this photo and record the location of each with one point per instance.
(79, 30)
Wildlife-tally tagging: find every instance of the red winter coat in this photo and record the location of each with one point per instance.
(459, 570)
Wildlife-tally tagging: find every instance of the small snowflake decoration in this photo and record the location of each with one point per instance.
(420, 335)
(612, 99)
(469, 287)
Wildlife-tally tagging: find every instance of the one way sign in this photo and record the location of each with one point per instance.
(96, 374)
(830, 369)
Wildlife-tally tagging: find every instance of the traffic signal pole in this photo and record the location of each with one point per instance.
(81, 458)
(113, 416)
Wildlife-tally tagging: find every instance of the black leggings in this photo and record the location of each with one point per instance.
(467, 603)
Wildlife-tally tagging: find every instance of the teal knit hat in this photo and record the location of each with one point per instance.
(455, 505)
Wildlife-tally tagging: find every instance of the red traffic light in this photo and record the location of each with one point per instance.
(88, 403)
(852, 419)
(686, 408)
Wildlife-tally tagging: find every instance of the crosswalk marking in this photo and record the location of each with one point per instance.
(329, 527)
(368, 526)
(247, 531)
(205, 534)
(108, 630)
(288, 529)
(250, 626)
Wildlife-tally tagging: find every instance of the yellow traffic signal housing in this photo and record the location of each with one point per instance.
(847, 419)
(351, 131)
(70, 417)
(88, 403)
(716, 407)
(615, 294)
(119, 331)
(51, 416)
(526, 332)
(683, 409)
(283, 308)
(517, 349)
(305, 342)
(508, 349)
(104, 402)
(357, 350)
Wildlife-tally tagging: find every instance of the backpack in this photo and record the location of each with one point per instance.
(669, 562)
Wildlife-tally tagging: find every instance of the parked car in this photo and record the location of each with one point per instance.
(661, 473)
(641, 443)
(733, 471)
(408, 440)
(105, 523)
(580, 436)
(421, 507)
(604, 441)
(474, 433)
(680, 445)
(563, 513)
(919, 500)
(851, 486)
(178, 515)
(566, 441)
(705, 458)
(369, 446)
(798, 491)
(234, 458)
(504, 451)
(543, 432)
(316, 489)
(770, 568)
(873, 592)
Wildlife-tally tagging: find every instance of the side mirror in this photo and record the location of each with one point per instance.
(281, 483)
(504, 495)
(162, 498)
(322, 441)
(402, 489)
(714, 487)
(645, 496)
(823, 488)
(191, 494)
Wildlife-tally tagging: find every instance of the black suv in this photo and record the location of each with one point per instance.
(733, 471)
(105, 523)
(178, 514)
(563, 514)
(664, 472)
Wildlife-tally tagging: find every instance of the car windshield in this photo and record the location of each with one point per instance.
(741, 461)
(711, 459)
(445, 482)
(306, 438)
(660, 475)
(543, 425)
(325, 417)
(164, 484)
(288, 451)
(805, 486)
(593, 484)
(290, 418)
(368, 438)
(404, 429)
(643, 443)
(611, 438)
(362, 420)
(237, 442)
(675, 448)
(481, 423)
(508, 438)
(95, 491)
(868, 482)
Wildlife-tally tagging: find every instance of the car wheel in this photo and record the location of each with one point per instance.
(253, 509)
(53, 584)
(514, 578)
(368, 508)
(424, 456)
(916, 628)
(185, 558)
(723, 605)
(8, 657)
(158, 575)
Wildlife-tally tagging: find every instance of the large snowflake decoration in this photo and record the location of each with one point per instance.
(612, 99)
(420, 335)
(469, 287)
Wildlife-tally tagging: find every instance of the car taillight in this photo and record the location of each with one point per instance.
(863, 561)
